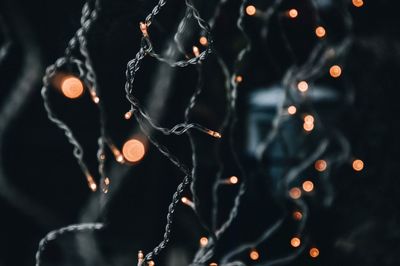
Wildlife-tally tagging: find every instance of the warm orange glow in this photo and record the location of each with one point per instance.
(358, 3)
(233, 180)
(358, 165)
(151, 263)
(314, 252)
(297, 215)
(187, 202)
(308, 119)
(203, 241)
(292, 110)
(91, 182)
(320, 165)
(196, 51)
(96, 99)
(320, 32)
(128, 115)
(71, 87)
(293, 13)
(238, 79)
(335, 71)
(251, 10)
(308, 186)
(295, 242)
(213, 264)
(214, 134)
(143, 29)
(133, 150)
(308, 126)
(254, 255)
(295, 193)
(302, 86)
(203, 41)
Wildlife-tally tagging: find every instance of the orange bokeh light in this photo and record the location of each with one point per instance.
(320, 165)
(308, 186)
(335, 71)
(358, 165)
(203, 41)
(358, 3)
(297, 215)
(302, 86)
(292, 110)
(314, 252)
(133, 150)
(233, 180)
(203, 241)
(293, 13)
(254, 255)
(309, 119)
(251, 10)
(238, 79)
(308, 126)
(295, 193)
(320, 32)
(71, 87)
(295, 242)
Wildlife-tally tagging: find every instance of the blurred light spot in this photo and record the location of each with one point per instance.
(295, 193)
(71, 87)
(238, 79)
(358, 165)
(233, 180)
(358, 3)
(320, 165)
(293, 13)
(308, 186)
(335, 71)
(254, 255)
(302, 86)
(295, 242)
(297, 215)
(133, 150)
(251, 10)
(203, 40)
(320, 32)
(314, 252)
(308, 126)
(292, 110)
(309, 119)
(203, 241)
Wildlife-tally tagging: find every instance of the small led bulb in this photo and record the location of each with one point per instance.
(214, 134)
(143, 29)
(196, 51)
(128, 115)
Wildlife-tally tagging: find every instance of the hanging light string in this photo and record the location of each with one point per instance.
(51, 236)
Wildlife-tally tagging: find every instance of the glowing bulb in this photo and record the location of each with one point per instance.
(335, 71)
(196, 51)
(233, 180)
(308, 126)
(213, 264)
(295, 193)
(251, 10)
(308, 186)
(297, 215)
(107, 181)
(302, 86)
(314, 252)
(358, 3)
(238, 79)
(203, 241)
(320, 165)
(295, 242)
(143, 29)
(320, 32)
(133, 150)
(203, 41)
(128, 115)
(71, 87)
(309, 119)
(292, 110)
(254, 255)
(151, 263)
(358, 165)
(187, 202)
(96, 99)
(293, 13)
(214, 134)
(90, 180)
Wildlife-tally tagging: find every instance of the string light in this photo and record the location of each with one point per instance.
(308, 126)
(309, 119)
(302, 86)
(320, 165)
(293, 13)
(203, 41)
(251, 10)
(292, 110)
(196, 51)
(214, 134)
(358, 3)
(335, 71)
(151, 263)
(314, 252)
(203, 241)
(358, 165)
(238, 79)
(295, 242)
(320, 32)
(91, 183)
(187, 202)
(254, 255)
(213, 264)
(71, 87)
(117, 154)
(233, 180)
(133, 150)
(295, 193)
(140, 257)
(106, 185)
(143, 29)
(297, 215)
(308, 186)
(128, 115)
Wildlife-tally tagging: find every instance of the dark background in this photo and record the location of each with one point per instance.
(360, 227)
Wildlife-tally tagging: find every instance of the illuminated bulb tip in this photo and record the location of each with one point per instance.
(196, 51)
(297, 215)
(358, 3)
(143, 29)
(308, 186)
(254, 255)
(96, 99)
(293, 13)
(320, 32)
(314, 252)
(133, 150)
(302, 86)
(151, 263)
(295, 193)
(214, 134)
(308, 127)
(358, 165)
(251, 10)
(203, 41)
(292, 110)
(107, 181)
(93, 186)
(128, 115)
(91, 183)
(233, 180)
(71, 87)
(309, 119)
(238, 79)
(213, 264)
(120, 158)
(203, 241)
(187, 202)
(140, 257)
(295, 242)
(320, 165)
(335, 71)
